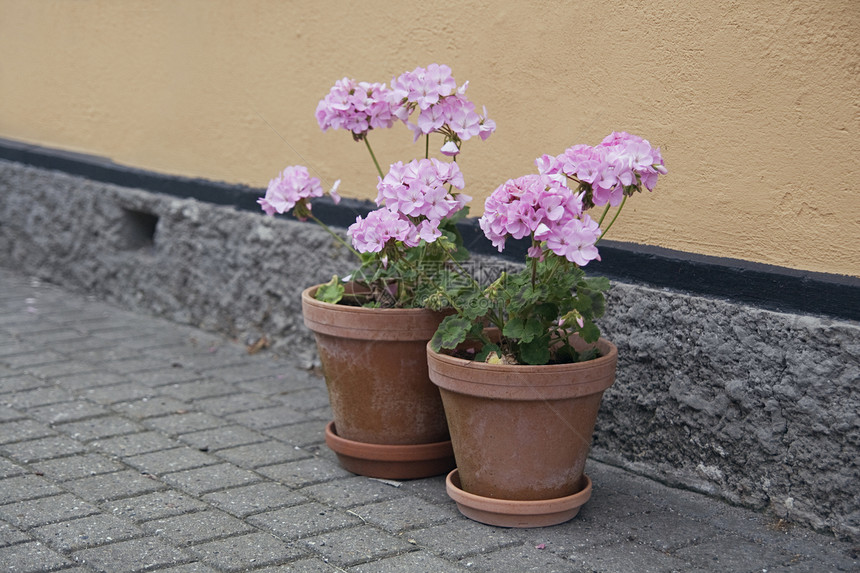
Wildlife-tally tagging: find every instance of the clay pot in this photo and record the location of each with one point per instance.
(375, 367)
(521, 433)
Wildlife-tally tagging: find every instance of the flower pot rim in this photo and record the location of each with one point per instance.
(308, 297)
(609, 357)
(524, 382)
(357, 322)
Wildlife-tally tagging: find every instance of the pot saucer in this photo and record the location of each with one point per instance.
(400, 461)
(512, 513)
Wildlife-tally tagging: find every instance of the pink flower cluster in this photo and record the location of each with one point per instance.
(541, 206)
(622, 160)
(356, 106)
(434, 93)
(414, 199)
(292, 186)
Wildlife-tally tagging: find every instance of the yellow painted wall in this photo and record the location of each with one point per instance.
(756, 104)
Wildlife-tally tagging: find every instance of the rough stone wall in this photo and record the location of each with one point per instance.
(210, 266)
(756, 407)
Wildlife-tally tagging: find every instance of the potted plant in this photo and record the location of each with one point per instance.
(371, 327)
(520, 365)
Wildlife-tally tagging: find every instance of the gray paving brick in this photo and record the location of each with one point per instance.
(398, 515)
(732, 553)
(415, 562)
(165, 376)
(304, 520)
(197, 527)
(33, 358)
(123, 392)
(304, 472)
(567, 539)
(134, 364)
(75, 467)
(46, 510)
(205, 388)
(157, 505)
(461, 538)
(102, 427)
(168, 461)
(151, 407)
(67, 411)
(266, 418)
(196, 567)
(106, 487)
(50, 371)
(42, 449)
(135, 444)
(24, 487)
(306, 565)
(104, 355)
(131, 556)
(262, 454)
(91, 379)
(9, 469)
(246, 551)
(78, 346)
(211, 478)
(281, 382)
(225, 436)
(11, 535)
(663, 531)
(8, 414)
(346, 547)
(86, 532)
(352, 491)
(25, 399)
(31, 558)
(21, 430)
(525, 559)
(305, 400)
(20, 383)
(233, 403)
(184, 423)
(247, 500)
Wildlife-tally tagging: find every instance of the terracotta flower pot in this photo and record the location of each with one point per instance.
(521, 434)
(375, 367)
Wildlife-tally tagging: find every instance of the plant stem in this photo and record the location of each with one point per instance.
(603, 216)
(373, 156)
(618, 212)
(335, 235)
(427, 147)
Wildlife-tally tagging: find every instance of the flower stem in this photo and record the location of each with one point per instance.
(618, 212)
(373, 156)
(603, 216)
(427, 147)
(337, 237)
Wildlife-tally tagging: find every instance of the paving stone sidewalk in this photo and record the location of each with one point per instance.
(129, 443)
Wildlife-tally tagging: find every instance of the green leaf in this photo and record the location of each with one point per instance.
(514, 328)
(331, 291)
(597, 283)
(547, 311)
(486, 351)
(450, 333)
(536, 351)
(589, 332)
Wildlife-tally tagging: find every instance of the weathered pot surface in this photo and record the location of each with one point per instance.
(522, 433)
(375, 368)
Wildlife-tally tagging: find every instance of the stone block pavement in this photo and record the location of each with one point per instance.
(129, 443)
